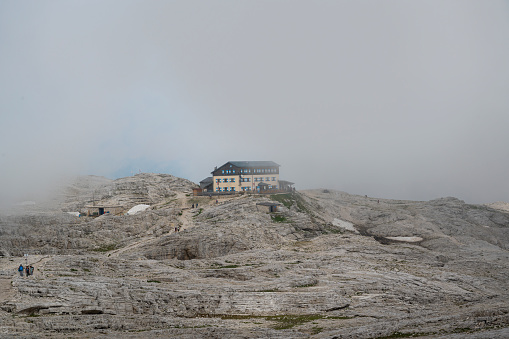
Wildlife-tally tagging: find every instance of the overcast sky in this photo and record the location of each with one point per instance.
(394, 99)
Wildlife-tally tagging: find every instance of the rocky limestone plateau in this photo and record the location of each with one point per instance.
(327, 265)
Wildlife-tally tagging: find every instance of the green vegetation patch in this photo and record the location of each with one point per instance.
(406, 335)
(282, 322)
(290, 199)
(314, 283)
(285, 199)
(225, 266)
(279, 218)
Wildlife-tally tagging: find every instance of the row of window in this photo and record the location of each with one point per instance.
(245, 179)
(225, 180)
(266, 179)
(232, 189)
(225, 189)
(248, 171)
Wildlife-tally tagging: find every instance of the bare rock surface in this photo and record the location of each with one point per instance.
(328, 265)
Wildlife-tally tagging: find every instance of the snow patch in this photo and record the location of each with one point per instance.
(76, 214)
(344, 224)
(137, 208)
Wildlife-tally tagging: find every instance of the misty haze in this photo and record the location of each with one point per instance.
(280, 169)
(404, 100)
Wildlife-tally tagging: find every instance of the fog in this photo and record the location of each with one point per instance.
(393, 99)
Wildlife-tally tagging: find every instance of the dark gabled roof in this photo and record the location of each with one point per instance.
(253, 164)
(206, 180)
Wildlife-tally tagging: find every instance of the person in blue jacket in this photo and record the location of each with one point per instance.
(20, 269)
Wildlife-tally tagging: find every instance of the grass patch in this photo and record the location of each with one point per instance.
(282, 322)
(285, 199)
(316, 330)
(225, 266)
(279, 218)
(154, 281)
(290, 199)
(308, 285)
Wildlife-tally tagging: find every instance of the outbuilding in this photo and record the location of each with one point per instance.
(268, 207)
(97, 210)
(207, 185)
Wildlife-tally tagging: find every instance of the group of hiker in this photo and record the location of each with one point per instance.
(29, 269)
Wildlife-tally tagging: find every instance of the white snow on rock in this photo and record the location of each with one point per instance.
(344, 224)
(76, 214)
(137, 208)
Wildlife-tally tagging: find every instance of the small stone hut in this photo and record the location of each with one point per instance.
(268, 207)
(97, 210)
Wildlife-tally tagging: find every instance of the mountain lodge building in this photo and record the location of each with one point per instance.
(246, 176)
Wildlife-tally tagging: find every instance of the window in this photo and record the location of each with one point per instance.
(232, 189)
(225, 180)
(223, 171)
(273, 178)
(232, 179)
(218, 189)
(218, 181)
(233, 171)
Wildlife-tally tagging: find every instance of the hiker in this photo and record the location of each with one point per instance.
(196, 205)
(27, 269)
(193, 205)
(31, 270)
(21, 270)
(216, 201)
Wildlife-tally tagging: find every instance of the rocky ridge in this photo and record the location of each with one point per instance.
(234, 271)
